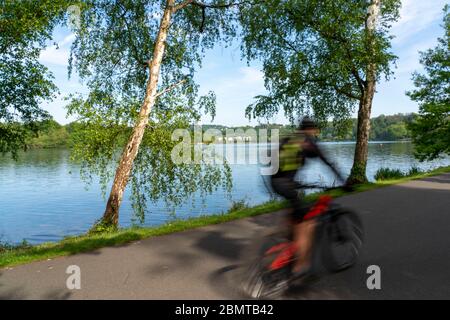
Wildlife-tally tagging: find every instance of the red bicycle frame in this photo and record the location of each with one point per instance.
(287, 250)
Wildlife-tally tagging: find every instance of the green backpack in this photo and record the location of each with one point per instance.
(288, 154)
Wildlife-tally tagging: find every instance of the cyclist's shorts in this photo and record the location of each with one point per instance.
(286, 188)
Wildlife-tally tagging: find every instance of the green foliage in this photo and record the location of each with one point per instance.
(316, 54)
(431, 128)
(388, 174)
(382, 128)
(320, 57)
(111, 51)
(8, 247)
(239, 205)
(414, 171)
(51, 135)
(100, 227)
(394, 174)
(25, 26)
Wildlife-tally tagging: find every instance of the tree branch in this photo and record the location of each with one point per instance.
(185, 3)
(182, 5)
(346, 93)
(342, 90)
(171, 87)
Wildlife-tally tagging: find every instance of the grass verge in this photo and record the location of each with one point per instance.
(15, 255)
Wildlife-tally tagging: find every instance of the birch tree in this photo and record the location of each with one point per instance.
(138, 59)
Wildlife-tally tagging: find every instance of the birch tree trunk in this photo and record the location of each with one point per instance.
(111, 214)
(358, 172)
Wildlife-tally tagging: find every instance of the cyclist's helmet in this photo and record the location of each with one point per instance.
(307, 123)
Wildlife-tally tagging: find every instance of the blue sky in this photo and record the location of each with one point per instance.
(236, 83)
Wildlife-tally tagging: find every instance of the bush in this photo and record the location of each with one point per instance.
(238, 205)
(388, 174)
(6, 246)
(414, 171)
(100, 227)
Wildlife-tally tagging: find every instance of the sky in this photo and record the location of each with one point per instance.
(236, 83)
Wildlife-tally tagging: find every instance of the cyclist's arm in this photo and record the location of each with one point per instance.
(311, 150)
(331, 166)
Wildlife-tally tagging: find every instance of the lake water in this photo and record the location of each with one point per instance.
(42, 197)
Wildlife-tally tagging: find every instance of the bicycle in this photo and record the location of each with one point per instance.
(337, 242)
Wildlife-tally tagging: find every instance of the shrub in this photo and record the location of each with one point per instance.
(414, 171)
(238, 205)
(6, 246)
(388, 174)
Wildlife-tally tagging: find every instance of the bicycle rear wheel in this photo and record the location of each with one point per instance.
(343, 241)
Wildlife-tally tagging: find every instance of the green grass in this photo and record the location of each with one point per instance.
(24, 253)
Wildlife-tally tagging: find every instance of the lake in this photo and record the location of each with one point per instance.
(42, 197)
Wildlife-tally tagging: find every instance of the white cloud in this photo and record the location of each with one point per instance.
(247, 80)
(415, 16)
(58, 55)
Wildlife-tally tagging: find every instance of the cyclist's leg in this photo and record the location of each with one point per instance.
(303, 238)
(286, 188)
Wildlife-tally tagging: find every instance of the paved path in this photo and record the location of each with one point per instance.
(407, 234)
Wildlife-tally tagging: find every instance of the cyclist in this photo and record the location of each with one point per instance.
(293, 151)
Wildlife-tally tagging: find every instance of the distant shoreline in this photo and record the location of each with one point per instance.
(63, 146)
(383, 129)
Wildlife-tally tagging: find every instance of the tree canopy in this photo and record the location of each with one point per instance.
(25, 26)
(315, 54)
(431, 129)
(321, 57)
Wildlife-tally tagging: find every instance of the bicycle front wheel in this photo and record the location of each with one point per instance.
(260, 282)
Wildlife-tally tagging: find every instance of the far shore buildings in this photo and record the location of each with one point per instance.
(234, 139)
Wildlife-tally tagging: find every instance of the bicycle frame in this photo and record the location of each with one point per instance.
(286, 250)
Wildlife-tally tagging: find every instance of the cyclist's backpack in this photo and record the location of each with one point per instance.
(289, 154)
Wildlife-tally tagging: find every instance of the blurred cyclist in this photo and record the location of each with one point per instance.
(293, 151)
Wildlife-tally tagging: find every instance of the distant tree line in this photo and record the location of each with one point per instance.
(383, 128)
